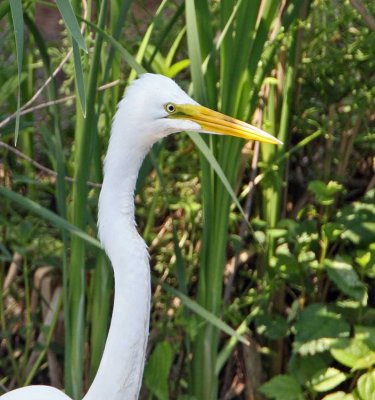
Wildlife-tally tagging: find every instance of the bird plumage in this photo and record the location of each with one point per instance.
(153, 107)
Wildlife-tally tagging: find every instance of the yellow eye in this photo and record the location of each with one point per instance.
(170, 108)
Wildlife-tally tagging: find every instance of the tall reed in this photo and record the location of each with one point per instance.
(245, 27)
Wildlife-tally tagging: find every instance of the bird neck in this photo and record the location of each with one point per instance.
(120, 372)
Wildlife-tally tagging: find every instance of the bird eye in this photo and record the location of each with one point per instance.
(170, 108)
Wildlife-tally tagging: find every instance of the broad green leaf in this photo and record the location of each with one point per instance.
(365, 362)
(325, 193)
(346, 279)
(71, 23)
(315, 346)
(359, 221)
(273, 326)
(339, 396)
(17, 17)
(366, 386)
(327, 379)
(48, 215)
(332, 230)
(303, 368)
(366, 334)
(157, 370)
(349, 351)
(282, 387)
(317, 328)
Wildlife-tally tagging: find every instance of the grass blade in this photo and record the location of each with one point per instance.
(71, 23)
(195, 52)
(202, 312)
(78, 72)
(116, 44)
(48, 215)
(17, 17)
(202, 146)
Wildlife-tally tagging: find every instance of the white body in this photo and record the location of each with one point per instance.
(153, 107)
(139, 122)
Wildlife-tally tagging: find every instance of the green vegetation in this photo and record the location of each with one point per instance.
(263, 257)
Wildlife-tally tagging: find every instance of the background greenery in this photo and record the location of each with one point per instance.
(263, 257)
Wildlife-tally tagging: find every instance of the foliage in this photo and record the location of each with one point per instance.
(296, 282)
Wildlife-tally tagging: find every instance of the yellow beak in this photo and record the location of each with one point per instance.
(217, 123)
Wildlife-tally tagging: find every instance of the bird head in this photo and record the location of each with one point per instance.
(156, 107)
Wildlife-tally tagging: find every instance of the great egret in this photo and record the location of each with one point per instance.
(153, 107)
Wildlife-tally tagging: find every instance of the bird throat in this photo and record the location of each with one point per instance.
(121, 369)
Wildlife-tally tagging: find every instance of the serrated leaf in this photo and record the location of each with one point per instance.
(282, 387)
(366, 386)
(346, 279)
(315, 346)
(325, 193)
(327, 379)
(317, 325)
(358, 219)
(157, 370)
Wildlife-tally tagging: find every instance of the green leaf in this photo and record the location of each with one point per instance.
(116, 44)
(71, 23)
(358, 219)
(366, 334)
(346, 279)
(48, 215)
(349, 351)
(317, 328)
(273, 326)
(339, 396)
(17, 17)
(303, 368)
(365, 362)
(327, 379)
(366, 385)
(282, 387)
(194, 49)
(332, 230)
(157, 370)
(176, 68)
(325, 193)
(78, 73)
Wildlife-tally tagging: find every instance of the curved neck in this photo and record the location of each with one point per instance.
(120, 372)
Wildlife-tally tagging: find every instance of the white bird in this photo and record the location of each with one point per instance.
(153, 107)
